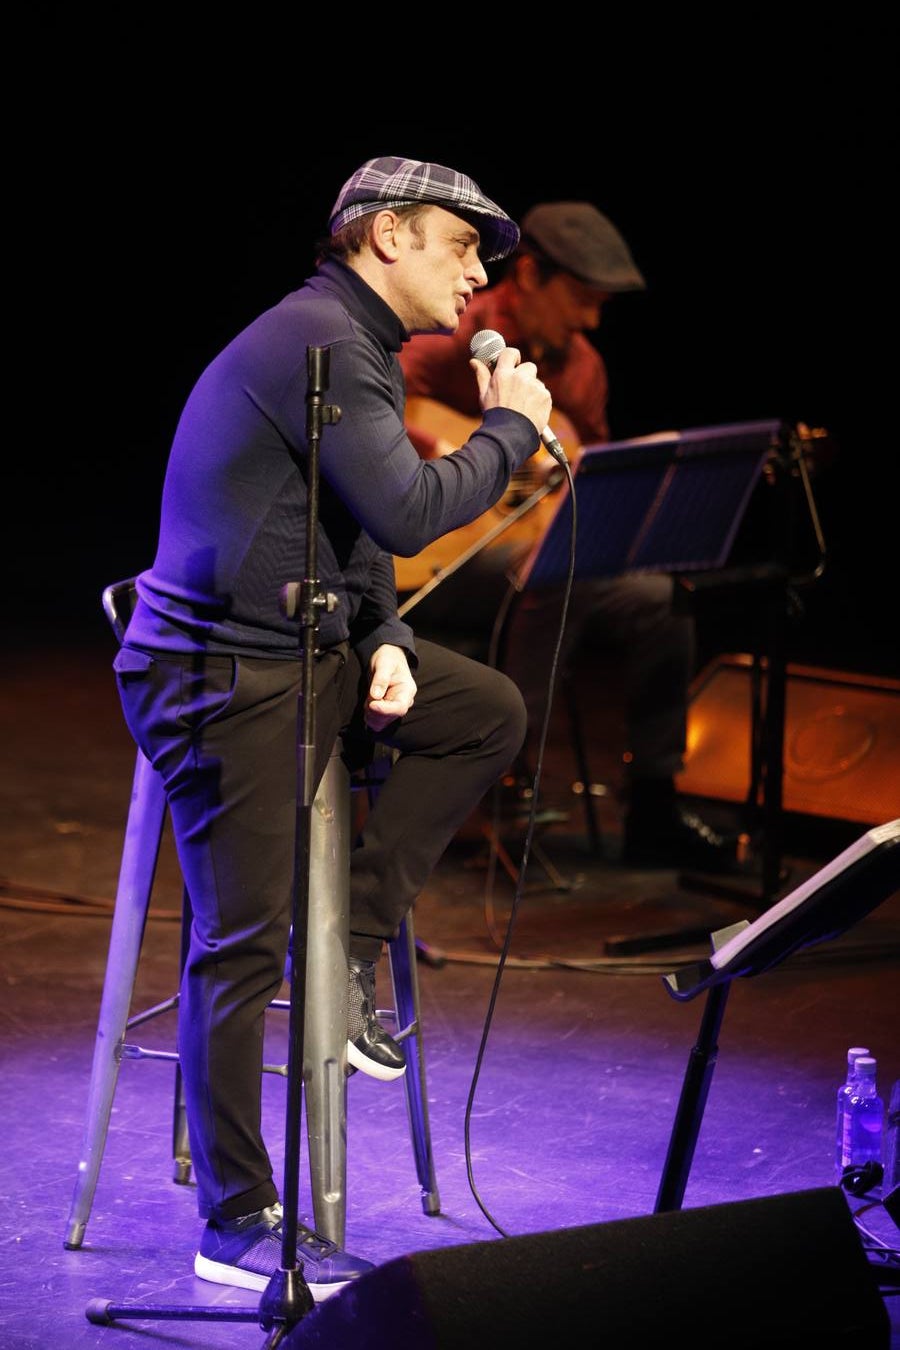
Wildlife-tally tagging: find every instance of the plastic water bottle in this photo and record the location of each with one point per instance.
(853, 1054)
(863, 1118)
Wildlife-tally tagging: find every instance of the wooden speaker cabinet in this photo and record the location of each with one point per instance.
(841, 740)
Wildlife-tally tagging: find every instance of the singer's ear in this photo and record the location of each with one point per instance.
(383, 234)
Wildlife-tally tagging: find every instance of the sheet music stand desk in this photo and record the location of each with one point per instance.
(823, 907)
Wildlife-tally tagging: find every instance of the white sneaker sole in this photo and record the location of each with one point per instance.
(369, 1066)
(217, 1273)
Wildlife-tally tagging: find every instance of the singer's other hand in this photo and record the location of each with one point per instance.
(513, 383)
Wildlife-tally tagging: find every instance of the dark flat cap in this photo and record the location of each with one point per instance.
(389, 182)
(580, 239)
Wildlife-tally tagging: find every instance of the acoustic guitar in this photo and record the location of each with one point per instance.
(453, 430)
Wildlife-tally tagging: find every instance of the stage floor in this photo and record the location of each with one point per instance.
(567, 1121)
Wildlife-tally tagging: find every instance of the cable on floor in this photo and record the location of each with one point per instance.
(36, 900)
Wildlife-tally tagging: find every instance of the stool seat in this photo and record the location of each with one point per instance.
(325, 1012)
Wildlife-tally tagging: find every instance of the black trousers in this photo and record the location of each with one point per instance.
(222, 731)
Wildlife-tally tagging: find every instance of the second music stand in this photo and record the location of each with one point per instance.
(823, 907)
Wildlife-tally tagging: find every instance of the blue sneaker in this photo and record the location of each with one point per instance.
(246, 1253)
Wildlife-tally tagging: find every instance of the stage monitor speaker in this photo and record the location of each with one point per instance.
(781, 1273)
(841, 740)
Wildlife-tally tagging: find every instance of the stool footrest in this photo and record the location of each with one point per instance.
(129, 1051)
(138, 1019)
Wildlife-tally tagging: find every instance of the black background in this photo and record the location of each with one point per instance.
(760, 212)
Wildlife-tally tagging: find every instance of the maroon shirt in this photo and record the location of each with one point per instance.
(437, 367)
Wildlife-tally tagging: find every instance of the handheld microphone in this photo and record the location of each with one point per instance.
(486, 345)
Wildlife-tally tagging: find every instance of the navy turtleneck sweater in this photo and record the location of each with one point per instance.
(234, 506)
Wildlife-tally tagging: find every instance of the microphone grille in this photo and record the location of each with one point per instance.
(486, 345)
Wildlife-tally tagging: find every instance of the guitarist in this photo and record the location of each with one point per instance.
(571, 260)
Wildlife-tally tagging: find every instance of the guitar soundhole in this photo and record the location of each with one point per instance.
(515, 495)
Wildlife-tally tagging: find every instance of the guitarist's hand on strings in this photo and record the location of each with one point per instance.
(513, 383)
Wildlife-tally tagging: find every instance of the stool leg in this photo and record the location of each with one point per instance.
(405, 980)
(327, 998)
(143, 837)
(181, 1144)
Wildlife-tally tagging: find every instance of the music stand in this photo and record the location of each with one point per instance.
(670, 502)
(823, 907)
(673, 502)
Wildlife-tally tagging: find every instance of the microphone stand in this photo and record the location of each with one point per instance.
(287, 1297)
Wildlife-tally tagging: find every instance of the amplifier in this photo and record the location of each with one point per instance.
(841, 740)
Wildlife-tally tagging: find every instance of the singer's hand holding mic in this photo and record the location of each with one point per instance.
(506, 382)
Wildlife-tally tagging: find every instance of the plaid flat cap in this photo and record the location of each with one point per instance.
(390, 182)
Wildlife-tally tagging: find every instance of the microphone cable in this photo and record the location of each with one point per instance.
(529, 835)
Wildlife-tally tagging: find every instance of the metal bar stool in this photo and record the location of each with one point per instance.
(325, 1020)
